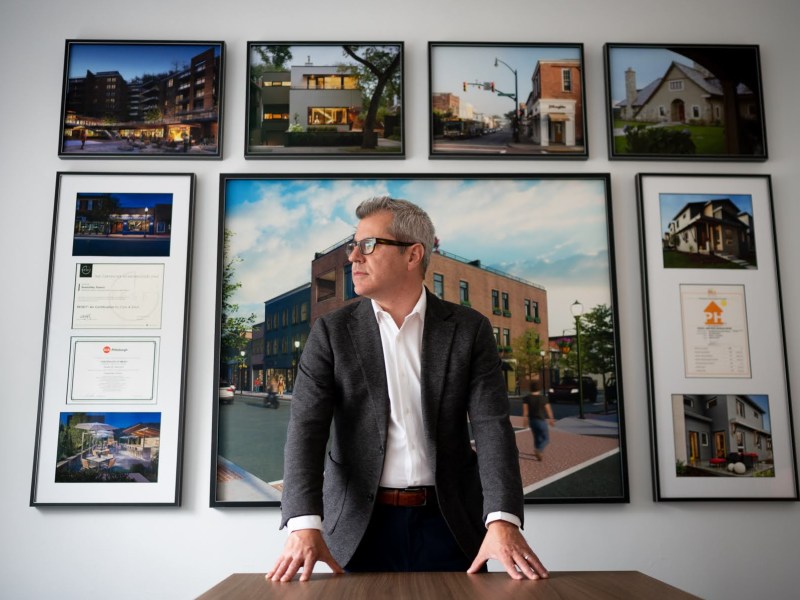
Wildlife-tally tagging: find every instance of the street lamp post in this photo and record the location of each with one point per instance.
(544, 387)
(294, 363)
(515, 125)
(577, 311)
(241, 371)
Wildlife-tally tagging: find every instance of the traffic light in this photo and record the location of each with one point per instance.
(493, 86)
(465, 86)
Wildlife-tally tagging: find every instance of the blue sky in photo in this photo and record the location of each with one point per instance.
(671, 203)
(451, 66)
(649, 64)
(120, 420)
(132, 60)
(134, 200)
(548, 232)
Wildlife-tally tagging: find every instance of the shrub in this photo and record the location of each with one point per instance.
(658, 140)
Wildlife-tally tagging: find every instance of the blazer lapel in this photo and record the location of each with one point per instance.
(366, 338)
(437, 339)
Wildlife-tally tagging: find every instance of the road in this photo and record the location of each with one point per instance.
(253, 436)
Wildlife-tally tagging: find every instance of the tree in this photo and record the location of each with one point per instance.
(379, 72)
(527, 351)
(273, 58)
(598, 351)
(233, 327)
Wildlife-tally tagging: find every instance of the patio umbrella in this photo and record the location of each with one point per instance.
(93, 427)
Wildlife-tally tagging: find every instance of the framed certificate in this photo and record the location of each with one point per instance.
(111, 394)
(720, 407)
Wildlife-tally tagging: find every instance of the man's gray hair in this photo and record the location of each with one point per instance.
(409, 222)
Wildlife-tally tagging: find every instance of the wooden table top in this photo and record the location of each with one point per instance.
(562, 585)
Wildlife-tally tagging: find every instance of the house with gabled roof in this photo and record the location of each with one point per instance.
(716, 226)
(684, 94)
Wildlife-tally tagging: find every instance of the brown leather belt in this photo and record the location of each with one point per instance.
(407, 498)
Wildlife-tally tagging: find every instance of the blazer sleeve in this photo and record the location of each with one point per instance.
(309, 427)
(498, 458)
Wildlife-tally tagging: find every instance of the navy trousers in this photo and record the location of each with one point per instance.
(408, 539)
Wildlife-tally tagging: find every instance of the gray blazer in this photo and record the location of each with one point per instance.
(341, 379)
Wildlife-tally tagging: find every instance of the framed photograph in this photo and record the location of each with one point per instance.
(142, 100)
(325, 100)
(112, 384)
(544, 277)
(685, 102)
(720, 409)
(503, 100)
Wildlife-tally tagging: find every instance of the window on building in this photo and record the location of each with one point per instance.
(327, 115)
(285, 317)
(505, 302)
(276, 116)
(438, 285)
(740, 408)
(496, 332)
(695, 111)
(703, 439)
(495, 300)
(566, 80)
(662, 111)
(325, 285)
(463, 291)
(676, 85)
(332, 82)
(304, 312)
(506, 338)
(349, 288)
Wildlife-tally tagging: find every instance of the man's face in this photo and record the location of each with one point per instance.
(380, 274)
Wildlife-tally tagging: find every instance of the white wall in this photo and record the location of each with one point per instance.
(715, 550)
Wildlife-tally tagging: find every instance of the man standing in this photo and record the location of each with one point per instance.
(398, 375)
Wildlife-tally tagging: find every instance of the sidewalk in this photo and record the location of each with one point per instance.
(574, 444)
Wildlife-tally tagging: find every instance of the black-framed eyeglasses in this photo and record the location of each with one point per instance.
(367, 245)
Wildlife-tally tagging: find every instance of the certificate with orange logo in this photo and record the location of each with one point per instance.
(714, 325)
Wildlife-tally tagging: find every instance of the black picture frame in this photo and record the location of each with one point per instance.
(270, 291)
(112, 383)
(142, 100)
(718, 386)
(545, 84)
(349, 107)
(693, 102)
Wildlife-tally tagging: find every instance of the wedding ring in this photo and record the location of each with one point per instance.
(525, 556)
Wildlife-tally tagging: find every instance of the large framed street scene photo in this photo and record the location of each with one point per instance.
(533, 253)
(721, 418)
(685, 102)
(112, 385)
(325, 100)
(507, 101)
(142, 100)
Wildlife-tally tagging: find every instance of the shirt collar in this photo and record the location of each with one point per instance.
(419, 308)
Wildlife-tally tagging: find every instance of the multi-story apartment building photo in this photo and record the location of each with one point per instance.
(179, 105)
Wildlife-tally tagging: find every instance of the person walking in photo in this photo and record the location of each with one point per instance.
(540, 418)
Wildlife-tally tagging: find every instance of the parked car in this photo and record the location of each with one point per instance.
(569, 391)
(226, 392)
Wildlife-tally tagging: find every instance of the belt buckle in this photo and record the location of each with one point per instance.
(424, 494)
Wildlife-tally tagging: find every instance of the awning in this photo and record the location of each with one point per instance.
(558, 117)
